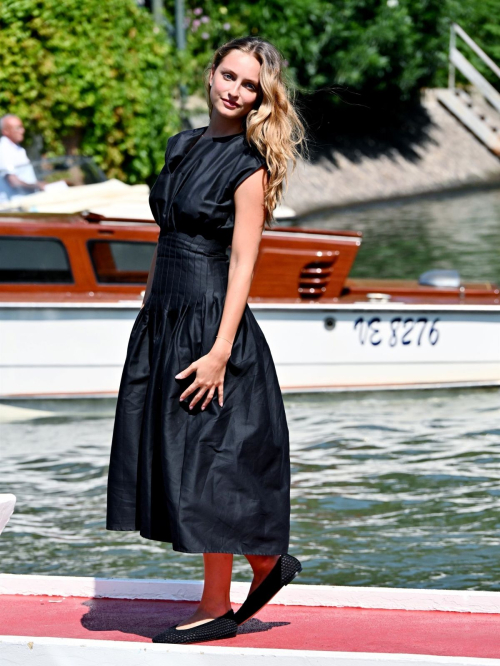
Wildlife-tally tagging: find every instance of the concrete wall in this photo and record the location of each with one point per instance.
(447, 156)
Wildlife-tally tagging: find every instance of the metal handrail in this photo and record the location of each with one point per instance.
(460, 62)
(477, 49)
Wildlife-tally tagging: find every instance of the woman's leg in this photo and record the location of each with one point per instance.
(215, 598)
(261, 566)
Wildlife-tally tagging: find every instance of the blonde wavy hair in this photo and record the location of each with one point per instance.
(274, 126)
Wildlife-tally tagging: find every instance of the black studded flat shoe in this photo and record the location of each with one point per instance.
(284, 571)
(221, 627)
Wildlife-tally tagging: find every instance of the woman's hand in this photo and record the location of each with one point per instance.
(210, 370)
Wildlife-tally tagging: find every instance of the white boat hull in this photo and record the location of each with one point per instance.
(78, 350)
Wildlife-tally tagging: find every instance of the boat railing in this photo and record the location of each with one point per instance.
(97, 218)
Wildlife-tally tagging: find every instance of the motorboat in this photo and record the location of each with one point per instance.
(71, 285)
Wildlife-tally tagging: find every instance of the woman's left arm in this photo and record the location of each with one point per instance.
(247, 233)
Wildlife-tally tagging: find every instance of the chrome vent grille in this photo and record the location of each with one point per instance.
(314, 278)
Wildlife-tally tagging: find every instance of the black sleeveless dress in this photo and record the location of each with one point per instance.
(214, 480)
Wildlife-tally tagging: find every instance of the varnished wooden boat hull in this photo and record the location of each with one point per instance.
(326, 331)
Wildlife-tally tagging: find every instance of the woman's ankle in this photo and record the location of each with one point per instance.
(213, 609)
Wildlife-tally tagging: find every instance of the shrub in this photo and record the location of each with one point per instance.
(385, 50)
(97, 76)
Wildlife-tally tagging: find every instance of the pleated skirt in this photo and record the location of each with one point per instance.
(214, 480)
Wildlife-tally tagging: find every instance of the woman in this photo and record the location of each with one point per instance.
(211, 476)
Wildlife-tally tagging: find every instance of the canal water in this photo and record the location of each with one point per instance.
(405, 238)
(389, 488)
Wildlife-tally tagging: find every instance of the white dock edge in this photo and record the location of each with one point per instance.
(45, 651)
(23, 651)
(292, 595)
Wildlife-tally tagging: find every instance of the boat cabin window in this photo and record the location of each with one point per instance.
(33, 260)
(121, 262)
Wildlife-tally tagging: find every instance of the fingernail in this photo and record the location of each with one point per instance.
(190, 406)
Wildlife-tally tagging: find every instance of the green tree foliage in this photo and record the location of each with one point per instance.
(385, 49)
(95, 74)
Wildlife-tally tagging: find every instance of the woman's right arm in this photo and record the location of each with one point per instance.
(150, 277)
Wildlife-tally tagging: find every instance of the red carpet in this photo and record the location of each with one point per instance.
(289, 627)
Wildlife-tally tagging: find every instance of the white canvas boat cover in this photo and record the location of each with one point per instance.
(112, 199)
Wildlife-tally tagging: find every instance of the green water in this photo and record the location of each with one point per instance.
(388, 488)
(405, 238)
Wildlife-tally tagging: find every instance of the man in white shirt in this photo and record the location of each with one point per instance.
(17, 176)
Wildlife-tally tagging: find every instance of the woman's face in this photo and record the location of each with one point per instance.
(235, 85)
